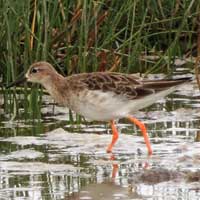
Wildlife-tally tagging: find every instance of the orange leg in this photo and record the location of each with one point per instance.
(114, 137)
(144, 132)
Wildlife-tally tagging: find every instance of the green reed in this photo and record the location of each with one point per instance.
(86, 35)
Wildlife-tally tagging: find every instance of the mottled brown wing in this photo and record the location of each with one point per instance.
(121, 84)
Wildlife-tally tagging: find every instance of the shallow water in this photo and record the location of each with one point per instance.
(52, 159)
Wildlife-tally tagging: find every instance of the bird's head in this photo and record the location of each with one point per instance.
(40, 72)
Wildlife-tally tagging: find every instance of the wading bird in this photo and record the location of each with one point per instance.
(102, 96)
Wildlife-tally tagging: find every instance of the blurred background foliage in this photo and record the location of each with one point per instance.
(86, 35)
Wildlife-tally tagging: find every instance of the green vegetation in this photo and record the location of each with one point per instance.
(87, 35)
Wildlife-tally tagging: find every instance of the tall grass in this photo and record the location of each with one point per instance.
(86, 35)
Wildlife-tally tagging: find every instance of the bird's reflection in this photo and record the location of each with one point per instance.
(144, 164)
(110, 187)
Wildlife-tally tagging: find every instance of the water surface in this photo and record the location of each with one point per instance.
(53, 159)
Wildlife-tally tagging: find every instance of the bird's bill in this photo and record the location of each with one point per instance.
(21, 79)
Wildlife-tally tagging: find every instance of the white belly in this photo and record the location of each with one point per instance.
(97, 105)
(105, 106)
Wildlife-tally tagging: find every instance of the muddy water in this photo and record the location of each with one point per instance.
(53, 159)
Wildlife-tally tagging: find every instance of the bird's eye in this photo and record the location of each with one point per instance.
(33, 71)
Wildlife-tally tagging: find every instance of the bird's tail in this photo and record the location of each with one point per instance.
(165, 83)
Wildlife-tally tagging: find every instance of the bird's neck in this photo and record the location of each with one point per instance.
(57, 87)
